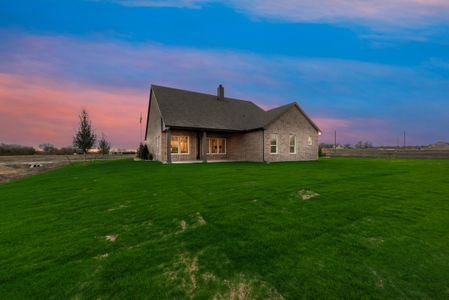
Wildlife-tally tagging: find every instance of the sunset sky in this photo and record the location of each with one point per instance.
(368, 69)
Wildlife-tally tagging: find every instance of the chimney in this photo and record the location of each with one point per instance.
(220, 92)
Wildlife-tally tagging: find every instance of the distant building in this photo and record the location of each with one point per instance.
(440, 145)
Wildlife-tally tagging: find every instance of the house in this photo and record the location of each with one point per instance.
(190, 126)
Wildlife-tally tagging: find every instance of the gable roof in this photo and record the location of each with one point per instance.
(188, 109)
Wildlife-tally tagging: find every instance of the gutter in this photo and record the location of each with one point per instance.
(263, 144)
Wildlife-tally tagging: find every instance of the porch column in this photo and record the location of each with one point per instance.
(168, 135)
(204, 140)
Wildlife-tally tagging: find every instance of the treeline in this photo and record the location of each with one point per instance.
(46, 149)
(12, 149)
(50, 149)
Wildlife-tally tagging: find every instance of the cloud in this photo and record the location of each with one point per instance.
(378, 14)
(61, 75)
(35, 110)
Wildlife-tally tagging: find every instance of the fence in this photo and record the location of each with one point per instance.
(389, 153)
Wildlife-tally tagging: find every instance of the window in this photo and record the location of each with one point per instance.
(274, 144)
(309, 141)
(180, 145)
(216, 146)
(292, 144)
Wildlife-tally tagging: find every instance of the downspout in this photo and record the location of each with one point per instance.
(263, 144)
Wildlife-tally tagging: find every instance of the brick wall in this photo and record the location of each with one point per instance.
(154, 134)
(295, 123)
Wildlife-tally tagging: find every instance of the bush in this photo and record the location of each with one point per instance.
(143, 153)
(320, 151)
(104, 146)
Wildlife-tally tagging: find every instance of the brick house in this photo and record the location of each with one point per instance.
(189, 126)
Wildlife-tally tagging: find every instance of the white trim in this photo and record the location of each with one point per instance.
(310, 141)
(209, 148)
(179, 146)
(277, 143)
(290, 144)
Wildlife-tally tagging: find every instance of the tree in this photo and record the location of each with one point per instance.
(85, 137)
(48, 148)
(104, 145)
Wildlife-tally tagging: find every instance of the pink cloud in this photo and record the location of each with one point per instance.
(39, 110)
(354, 129)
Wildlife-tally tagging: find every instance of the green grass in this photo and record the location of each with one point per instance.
(378, 229)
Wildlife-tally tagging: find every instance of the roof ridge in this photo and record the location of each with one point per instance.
(282, 106)
(203, 93)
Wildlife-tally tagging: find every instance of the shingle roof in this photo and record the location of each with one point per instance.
(182, 108)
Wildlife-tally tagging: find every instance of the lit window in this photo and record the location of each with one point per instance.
(184, 144)
(292, 144)
(309, 141)
(216, 146)
(274, 144)
(180, 145)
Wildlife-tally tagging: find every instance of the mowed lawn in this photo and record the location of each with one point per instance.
(123, 229)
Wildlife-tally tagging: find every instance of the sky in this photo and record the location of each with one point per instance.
(368, 69)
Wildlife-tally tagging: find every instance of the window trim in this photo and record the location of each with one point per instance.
(179, 146)
(277, 143)
(209, 145)
(290, 144)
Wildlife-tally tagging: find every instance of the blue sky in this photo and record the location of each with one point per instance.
(368, 70)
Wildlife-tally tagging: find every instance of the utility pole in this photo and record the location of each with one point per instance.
(140, 121)
(335, 141)
(404, 140)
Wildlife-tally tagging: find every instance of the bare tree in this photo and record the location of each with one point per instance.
(85, 137)
(48, 148)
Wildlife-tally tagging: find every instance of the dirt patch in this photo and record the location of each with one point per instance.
(209, 277)
(185, 273)
(200, 220)
(183, 225)
(307, 195)
(102, 256)
(11, 171)
(242, 288)
(111, 237)
(4, 170)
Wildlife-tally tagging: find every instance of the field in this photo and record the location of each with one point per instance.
(335, 228)
(18, 166)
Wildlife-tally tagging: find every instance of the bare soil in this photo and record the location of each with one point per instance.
(18, 166)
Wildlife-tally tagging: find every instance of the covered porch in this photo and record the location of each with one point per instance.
(198, 146)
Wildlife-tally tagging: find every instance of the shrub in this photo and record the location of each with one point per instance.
(104, 146)
(143, 153)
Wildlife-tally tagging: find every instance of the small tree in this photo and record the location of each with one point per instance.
(85, 137)
(104, 145)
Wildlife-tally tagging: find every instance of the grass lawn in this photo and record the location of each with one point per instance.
(379, 228)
